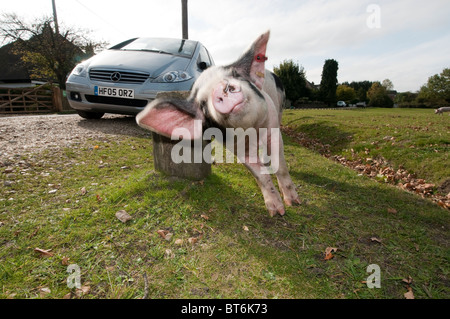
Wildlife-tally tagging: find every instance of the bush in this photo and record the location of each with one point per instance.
(293, 78)
(378, 96)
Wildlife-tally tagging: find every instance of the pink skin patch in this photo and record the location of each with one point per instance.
(228, 97)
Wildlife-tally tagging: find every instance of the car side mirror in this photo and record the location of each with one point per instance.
(202, 66)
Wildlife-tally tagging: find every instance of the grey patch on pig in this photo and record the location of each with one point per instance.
(244, 64)
(278, 82)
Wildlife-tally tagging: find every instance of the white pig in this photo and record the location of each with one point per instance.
(241, 95)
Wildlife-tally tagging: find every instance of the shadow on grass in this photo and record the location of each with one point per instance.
(370, 197)
(326, 134)
(348, 216)
(342, 210)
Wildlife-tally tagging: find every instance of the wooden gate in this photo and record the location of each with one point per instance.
(44, 98)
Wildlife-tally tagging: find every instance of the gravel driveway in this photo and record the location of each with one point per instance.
(22, 135)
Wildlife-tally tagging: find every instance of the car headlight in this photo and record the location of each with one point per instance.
(80, 70)
(173, 76)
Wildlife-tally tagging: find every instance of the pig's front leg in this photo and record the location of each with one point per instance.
(271, 195)
(274, 144)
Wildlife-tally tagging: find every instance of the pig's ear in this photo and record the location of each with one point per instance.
(252, 63)
(164, 116)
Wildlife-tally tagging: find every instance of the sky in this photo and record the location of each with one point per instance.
(406, 41)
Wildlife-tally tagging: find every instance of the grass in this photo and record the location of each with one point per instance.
(230, 246)
(416, 139)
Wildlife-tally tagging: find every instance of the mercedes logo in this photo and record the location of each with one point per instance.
(115, 77)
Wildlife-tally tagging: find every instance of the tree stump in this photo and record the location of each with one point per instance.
(162, 152)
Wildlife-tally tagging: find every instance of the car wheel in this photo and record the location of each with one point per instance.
(90, 115)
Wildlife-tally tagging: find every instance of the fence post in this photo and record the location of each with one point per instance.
(56, 98)
(162, 151)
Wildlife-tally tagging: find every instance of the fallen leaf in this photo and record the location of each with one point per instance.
(407, 280)
(162, 233)
(84, 290)
(409, 294)
(65, 261)
(168, 236)
(179, 242)
(43, 252)
(123, 216)
(392, 210)
(44, 291)
(328, 252)
(375, 239)
(83, 191)
(245, 228)
(192, 240)
(204, 216)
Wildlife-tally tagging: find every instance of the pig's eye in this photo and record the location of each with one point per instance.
(232, 88)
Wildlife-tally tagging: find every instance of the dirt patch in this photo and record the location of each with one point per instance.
(22, 135)
(445, 187)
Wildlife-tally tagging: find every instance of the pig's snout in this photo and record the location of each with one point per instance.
(228, 97)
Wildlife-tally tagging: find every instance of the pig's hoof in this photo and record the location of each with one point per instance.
(292, 201)
(273, 211)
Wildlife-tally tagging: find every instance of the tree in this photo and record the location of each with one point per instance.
(345, 93)
(406, 98)
(387, 84)
(361, 89)
(293, 78)
(437, 89)
(48, 55)
(328, 84)
(378, 96)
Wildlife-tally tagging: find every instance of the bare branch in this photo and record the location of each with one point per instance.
(45, 51)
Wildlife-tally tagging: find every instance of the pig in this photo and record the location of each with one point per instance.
(441, 110)
(242, 95)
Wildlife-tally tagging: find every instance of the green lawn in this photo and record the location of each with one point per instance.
(224, 244)
(416, 139)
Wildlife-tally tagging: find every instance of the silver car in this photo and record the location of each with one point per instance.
(126, 77)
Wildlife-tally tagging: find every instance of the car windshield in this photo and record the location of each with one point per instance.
(184, 48)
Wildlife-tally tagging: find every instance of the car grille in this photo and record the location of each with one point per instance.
(115, 101)
(103, 75)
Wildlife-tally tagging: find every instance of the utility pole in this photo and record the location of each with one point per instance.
(184, 18)
(55, 18)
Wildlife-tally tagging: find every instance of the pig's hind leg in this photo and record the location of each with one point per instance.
(287, 187)
(271, 195)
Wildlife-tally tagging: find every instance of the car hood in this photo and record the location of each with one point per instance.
(151, 62)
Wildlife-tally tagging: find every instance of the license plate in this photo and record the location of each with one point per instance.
(114, 92)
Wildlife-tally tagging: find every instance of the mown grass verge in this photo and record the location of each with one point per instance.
(224, 244)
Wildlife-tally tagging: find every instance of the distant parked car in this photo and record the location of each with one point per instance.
(361, 104)
(126, 77)
(341, 103)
